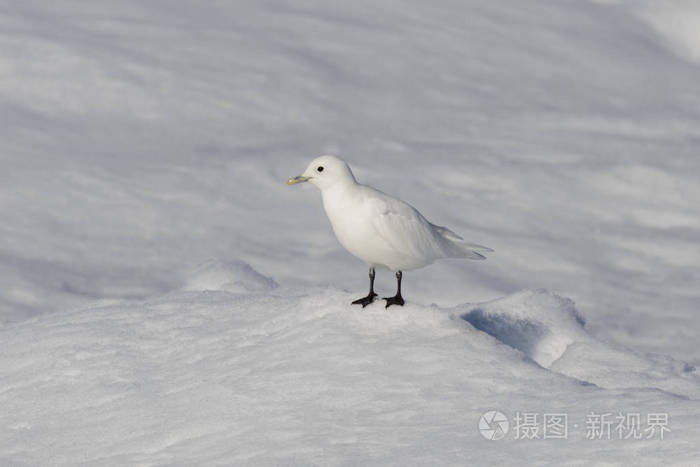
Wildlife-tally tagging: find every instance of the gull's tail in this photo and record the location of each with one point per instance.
(456, 246)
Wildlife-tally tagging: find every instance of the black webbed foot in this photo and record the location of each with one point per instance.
(395, 300)
(364, 301)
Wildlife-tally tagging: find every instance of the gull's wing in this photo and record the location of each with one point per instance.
(410, 234)
(405, 230)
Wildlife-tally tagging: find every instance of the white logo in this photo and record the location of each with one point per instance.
(493, 425)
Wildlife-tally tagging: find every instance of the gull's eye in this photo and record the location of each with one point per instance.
(320, 168)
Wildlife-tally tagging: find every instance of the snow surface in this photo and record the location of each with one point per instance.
(166, 299)
(283, 376)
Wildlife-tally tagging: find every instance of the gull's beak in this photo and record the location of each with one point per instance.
(297, 179)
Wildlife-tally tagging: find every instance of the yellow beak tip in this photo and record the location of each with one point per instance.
(295, 180)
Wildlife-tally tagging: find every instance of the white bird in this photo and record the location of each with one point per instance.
(381, 230)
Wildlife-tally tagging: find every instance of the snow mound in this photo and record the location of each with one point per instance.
(538, 323)
(231, 276)
(549, 330)
(302, 377)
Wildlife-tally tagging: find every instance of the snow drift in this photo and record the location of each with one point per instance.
(278, 375)
(548, 329)
(539, 324)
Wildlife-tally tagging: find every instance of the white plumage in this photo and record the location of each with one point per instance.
(377, 228)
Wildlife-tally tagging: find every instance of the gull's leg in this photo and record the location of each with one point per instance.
(396, 299)
(364, 301)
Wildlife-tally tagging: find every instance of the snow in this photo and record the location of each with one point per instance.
(232, 276)
(166, 298)
(549, 330)
(525, 321)
(298, 376)
(677, 22)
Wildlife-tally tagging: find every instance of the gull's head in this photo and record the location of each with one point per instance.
(325, 172)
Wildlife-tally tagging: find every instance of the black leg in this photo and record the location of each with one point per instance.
(396, 299)
(364, 301)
